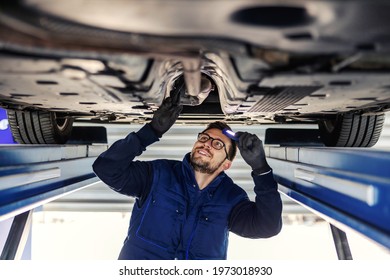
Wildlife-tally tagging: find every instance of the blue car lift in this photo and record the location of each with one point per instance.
(349, 187)
(32, 175)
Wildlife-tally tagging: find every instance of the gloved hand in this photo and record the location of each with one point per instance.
(165, 116)
(252, 151)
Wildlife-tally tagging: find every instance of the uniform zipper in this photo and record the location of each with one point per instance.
(199, 194)
(191, 237)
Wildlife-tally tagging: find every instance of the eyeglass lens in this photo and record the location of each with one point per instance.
(215, 143)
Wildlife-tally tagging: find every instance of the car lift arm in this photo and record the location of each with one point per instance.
(34, 175)
(349, 187)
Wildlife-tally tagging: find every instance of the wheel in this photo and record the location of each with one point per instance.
(352, 130)
(39, 127)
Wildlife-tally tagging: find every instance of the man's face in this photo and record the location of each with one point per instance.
(206, 159)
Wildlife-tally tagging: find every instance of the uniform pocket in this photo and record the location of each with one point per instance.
(211, 234)
(160, 224)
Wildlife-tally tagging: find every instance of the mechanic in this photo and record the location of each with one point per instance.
(185, 209)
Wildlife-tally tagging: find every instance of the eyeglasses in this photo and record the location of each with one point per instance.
(215, 143)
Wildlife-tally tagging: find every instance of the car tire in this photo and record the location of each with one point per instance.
(39, 127)
(351, 130)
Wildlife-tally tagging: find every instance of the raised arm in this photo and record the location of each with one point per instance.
(262, 218)
(116, 167)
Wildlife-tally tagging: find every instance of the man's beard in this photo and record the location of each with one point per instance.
(203, 167)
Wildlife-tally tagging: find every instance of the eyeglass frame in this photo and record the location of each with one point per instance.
(212, 140)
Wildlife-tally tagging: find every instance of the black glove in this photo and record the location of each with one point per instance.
(165, 116)
(252, 151)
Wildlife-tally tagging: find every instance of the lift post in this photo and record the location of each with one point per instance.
(17, 237)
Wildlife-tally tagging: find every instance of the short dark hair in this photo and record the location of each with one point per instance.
(221, 126)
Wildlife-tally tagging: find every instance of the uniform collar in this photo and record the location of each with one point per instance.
(189, 174)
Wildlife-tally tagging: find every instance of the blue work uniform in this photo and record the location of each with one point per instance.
(172, 218)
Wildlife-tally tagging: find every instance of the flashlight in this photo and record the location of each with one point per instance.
(230, 134)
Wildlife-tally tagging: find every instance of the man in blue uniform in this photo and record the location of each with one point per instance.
(185, 209)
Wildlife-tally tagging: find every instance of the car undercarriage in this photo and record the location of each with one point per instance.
(248, 62)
